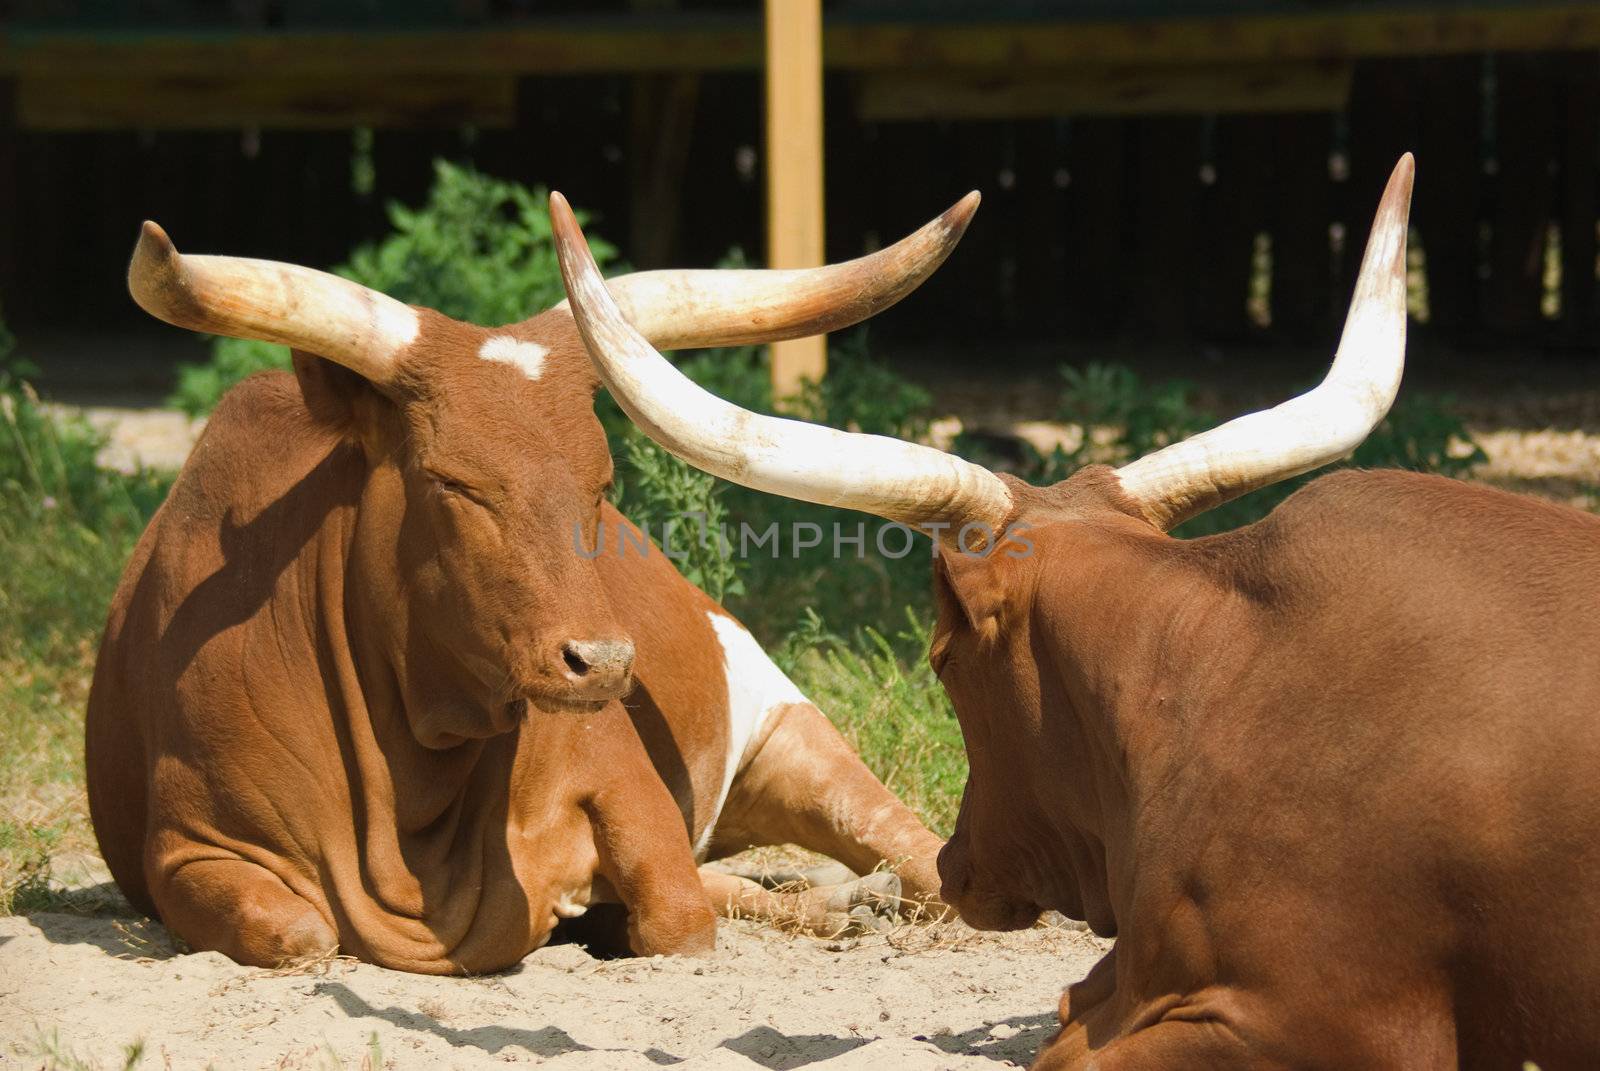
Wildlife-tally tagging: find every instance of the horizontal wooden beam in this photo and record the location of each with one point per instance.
(556, 48)
(227, 103)
(1145, 89)
(1321, 35)
(703, 43)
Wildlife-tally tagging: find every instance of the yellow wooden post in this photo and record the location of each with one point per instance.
(794, 169)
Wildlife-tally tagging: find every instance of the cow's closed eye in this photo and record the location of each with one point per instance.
(451, 486)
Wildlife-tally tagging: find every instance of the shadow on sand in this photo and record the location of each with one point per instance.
(544, 1042)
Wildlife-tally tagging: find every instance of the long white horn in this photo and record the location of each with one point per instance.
(899, 480)
(1322, 425)
(262, 299)
(688, 309)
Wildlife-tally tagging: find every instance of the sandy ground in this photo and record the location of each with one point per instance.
(924, 998)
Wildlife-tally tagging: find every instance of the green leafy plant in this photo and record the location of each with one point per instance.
(1111, 395)
(681, 507)
(480, 249)
(860, 393)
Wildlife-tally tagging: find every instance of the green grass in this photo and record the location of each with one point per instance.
(54, 1054)
(885, 699)
(67, 527)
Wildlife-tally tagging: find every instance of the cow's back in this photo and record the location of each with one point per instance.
(1430, 704)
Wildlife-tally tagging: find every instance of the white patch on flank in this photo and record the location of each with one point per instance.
(755, 688)
(528, 356)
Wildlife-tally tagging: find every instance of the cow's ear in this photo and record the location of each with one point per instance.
(330, 390)
(977, 587)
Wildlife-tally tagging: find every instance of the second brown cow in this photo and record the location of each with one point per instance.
(1329, 778)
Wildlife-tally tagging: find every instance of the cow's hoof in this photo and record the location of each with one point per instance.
(877, 894)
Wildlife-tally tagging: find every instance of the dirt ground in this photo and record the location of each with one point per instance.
(77, 991)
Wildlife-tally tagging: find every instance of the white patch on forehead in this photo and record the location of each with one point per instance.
(756, 687)
(528, 356)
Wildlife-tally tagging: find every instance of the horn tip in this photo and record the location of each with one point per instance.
(152, 265)
(563, 222)
(153, 241)
(1401, 180)
(955, 219)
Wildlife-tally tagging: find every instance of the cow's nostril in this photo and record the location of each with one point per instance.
(575, 662)
(597, 665)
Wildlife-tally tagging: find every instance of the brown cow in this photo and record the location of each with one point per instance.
(360, 683)
(1329, 778)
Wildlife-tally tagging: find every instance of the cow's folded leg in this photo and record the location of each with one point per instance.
(244, 911)
(865, 903)
(806, 786)
(1095, 1033)
(1166, 1046)
(646, 857)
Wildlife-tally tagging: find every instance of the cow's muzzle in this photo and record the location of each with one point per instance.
(979, 903)
(597, 669)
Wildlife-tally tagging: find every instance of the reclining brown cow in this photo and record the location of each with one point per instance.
(1331, 778)
(359, 687)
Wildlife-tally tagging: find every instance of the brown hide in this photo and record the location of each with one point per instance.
(330, 703)
(1330, 778)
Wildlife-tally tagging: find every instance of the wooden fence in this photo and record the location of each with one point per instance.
(1103, 224)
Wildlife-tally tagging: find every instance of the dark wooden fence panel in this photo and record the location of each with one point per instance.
(1092, 227)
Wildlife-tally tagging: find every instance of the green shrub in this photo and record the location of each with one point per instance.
(1422, 432)
(1112, 395)
(862, 394)
(479, 250)
(67, 524)
(679, 507)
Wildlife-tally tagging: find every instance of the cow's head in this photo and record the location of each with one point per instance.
(471, 549)
(1029, 682)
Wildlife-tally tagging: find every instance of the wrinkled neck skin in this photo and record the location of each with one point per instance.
(444, 692)
(386, 685)
(1078, 735)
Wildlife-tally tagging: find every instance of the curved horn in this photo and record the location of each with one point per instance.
(899, 480)
(1184, 479)
(690, 309)
(262, 299)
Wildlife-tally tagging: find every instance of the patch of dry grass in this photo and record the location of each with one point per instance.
(44, 812)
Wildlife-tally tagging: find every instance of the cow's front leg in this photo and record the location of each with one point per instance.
(1170, 1045)
(1219, 1027)
(806, 786)
(644, 853)
(1098, 1030)
(242, 910)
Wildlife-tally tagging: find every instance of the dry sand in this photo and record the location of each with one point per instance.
(924, 998)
